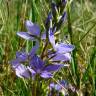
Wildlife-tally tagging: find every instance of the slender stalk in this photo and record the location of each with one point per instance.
(47, 40)
(44, 49)
(34, 87)
(87, 32)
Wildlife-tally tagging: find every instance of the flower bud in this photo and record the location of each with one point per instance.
(54, 10)
(62, 5)
(60, 22)
(48, 20)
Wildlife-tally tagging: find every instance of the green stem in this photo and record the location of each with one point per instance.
(87, 32)
(47, 40)
(44, 49)
(34, 88)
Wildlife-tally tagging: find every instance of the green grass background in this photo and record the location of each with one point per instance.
(82, 70)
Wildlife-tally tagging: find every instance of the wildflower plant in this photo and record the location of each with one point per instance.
(54, 54)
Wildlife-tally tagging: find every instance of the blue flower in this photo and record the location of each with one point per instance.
(23, 57)
(62, 50)
(33, 31)
(59, 87)
(59, 47)
(39, 67)
(63, 84)
(20, 69)
(35, 65)
(20, 58)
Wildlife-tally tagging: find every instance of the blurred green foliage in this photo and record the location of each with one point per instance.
(81, 74)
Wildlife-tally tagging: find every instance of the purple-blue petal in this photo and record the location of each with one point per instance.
(36, 63)
(61, 57)
(33, 73)
(15, 63)
(53, 67)
(34, 49)
(21, 71)
(25, 35)
(33, 29)
(21, 56)
(55, 86)
(48, 18)
(51, 37)
(58, 87)
(64, 48)
(45, 74)
(52, 85)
